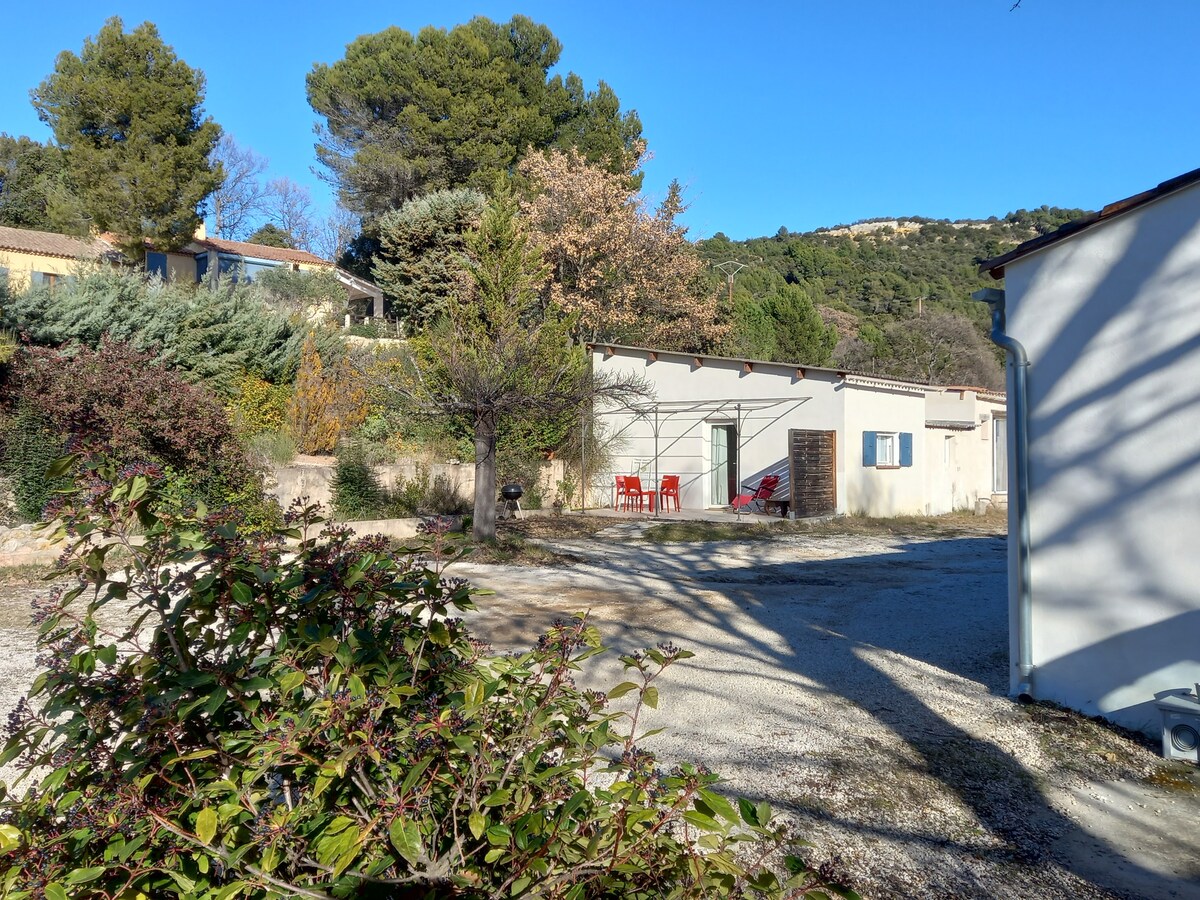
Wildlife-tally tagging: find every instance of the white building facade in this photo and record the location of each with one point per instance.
(1108, 311)
(880, 447)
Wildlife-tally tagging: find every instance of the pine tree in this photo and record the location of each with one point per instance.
(127, 113)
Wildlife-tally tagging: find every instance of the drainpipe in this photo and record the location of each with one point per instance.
(1019, 415)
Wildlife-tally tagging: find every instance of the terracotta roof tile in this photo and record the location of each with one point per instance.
(45, 243)
(256, 251)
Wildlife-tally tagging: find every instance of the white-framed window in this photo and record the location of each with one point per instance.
(887, 449)
(886, 453)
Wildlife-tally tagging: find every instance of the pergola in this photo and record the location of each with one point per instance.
(658, 413)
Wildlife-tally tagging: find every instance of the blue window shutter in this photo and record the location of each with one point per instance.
(156, 264)
(905, 448)
(868, 448)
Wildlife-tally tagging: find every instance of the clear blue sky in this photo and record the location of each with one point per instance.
(799, 114)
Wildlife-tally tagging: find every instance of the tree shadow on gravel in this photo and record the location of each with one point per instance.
(844, 634)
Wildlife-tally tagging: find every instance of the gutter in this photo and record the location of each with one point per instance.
(1019, 415)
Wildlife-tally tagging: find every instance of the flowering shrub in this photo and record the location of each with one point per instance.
(319, 723)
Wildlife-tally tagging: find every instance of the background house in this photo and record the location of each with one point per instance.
(857, 444)
(41, 257)
(1107, 311)
(206, 258)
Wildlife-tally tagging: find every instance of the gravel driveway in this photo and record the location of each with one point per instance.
(856, 682)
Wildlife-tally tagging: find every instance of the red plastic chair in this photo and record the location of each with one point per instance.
(633, 488)
(668, 489)
(621, 500)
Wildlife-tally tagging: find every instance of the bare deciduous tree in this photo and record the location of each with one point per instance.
(239, 201)
(289, 206)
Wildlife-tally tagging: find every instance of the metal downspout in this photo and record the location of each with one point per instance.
(1019, 413)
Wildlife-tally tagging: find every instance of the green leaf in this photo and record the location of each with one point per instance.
(59, 468)
(406, 838)
(215, 699)
(82, 876)
(621, 690)
(206, 824)
(496, 798)
(414, 773)
(764, 813)
(291, 681)
(138, 488)
(185, 884)
(10, 838)
(650, 697)
(242, 593)
(439, 634)
(477, 823)
(749, 813)
(107, 654)
(357, 688)
(55, 891)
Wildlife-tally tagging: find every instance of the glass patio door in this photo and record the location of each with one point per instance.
(721, 450)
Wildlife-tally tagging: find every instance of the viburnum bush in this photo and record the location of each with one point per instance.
(304, 714)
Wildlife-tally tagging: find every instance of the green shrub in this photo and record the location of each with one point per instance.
(212, 336)
(356, 491)
(30, 446)
(443, 498)
(321, 724)
(257, 406)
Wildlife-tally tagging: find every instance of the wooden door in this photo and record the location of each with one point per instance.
(812, 460)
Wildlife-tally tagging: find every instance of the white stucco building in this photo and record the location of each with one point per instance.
(855, 443)
(1107, 311)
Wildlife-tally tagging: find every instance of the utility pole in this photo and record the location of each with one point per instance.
(730, 267)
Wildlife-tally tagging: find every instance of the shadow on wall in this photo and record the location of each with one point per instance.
(1115, 469)
(1163, 653)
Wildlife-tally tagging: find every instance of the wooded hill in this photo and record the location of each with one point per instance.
(897, 292)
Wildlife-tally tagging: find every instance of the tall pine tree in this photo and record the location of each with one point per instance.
(127, 113)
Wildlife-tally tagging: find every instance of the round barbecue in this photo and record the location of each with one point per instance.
(512, 492)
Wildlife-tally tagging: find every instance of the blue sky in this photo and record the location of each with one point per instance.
(798, 114)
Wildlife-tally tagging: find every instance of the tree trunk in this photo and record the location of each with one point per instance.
(484, 516)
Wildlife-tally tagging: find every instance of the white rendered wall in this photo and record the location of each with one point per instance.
(1110, 319)
(959, 464)
(873, 491)
(683, 445)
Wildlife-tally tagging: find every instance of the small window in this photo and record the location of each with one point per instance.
(49, 279)
(887, 449)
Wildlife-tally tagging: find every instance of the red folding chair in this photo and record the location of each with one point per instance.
(761, 494)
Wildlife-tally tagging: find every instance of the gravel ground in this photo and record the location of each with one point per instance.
(856, 682)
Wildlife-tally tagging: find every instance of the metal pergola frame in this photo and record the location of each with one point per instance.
(657, 413)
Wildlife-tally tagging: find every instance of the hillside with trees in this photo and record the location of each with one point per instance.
(897, 292)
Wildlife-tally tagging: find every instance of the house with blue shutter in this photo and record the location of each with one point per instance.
(839, 442)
